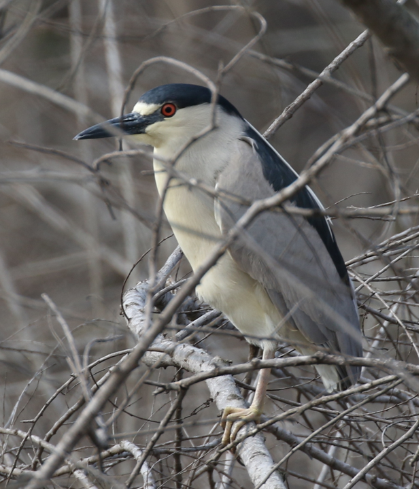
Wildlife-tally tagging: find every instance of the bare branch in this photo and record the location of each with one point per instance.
(396, 28)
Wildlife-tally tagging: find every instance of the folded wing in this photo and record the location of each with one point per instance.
(300, 268)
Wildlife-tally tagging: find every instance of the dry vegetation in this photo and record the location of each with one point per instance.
(76, 216)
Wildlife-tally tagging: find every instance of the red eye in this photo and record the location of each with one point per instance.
(168, 110)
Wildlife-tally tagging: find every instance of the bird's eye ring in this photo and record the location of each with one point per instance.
(168, 110)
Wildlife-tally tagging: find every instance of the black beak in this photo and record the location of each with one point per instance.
(127, 124)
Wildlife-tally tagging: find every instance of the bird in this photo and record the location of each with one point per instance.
(283, 278)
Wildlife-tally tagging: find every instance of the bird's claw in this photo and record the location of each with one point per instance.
(233, 420)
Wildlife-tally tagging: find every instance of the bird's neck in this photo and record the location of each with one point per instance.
(201, 157)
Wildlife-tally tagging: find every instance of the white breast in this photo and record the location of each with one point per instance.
(225, 286)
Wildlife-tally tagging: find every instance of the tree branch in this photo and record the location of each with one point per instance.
(395, 27)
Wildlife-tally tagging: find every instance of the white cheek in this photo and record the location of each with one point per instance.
(141, 139)
(157, 133)
(177, 130)
(169, 131)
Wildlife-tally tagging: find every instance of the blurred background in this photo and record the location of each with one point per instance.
(74, 234)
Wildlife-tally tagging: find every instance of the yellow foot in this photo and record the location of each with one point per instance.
(234, 419)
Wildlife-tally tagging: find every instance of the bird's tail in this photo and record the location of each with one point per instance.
(348, 376)
(337, 377)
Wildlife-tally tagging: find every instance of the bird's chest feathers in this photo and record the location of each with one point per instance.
(189, 209)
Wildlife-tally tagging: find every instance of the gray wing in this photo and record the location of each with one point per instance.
(286, 254)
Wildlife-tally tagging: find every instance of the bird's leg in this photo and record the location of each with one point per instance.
(253, 353)
(240, 416)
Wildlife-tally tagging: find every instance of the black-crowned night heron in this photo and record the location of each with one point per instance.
(284, 277)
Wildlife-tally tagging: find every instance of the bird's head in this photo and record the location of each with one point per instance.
(169, 114)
